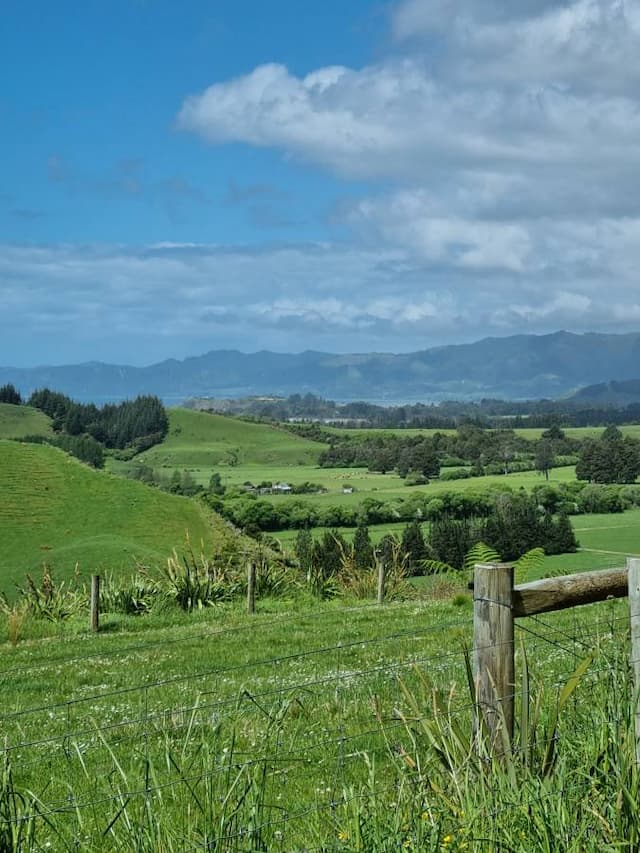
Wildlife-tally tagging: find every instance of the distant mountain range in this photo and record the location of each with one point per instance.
(517, 367)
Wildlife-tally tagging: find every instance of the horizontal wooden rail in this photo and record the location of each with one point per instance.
(568, 591)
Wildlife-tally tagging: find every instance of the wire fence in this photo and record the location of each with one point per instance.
(287, 748)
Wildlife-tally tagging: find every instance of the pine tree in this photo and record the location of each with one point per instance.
(414, 546)
(566, 541)
(362, 548)
(303, 548)
(10, 394)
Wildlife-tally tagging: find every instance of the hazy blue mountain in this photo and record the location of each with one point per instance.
(522, 366)
(613, 393)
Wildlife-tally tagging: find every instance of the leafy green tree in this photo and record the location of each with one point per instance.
(544, 457)
(188, 485)
(565, 541)
(610, 459)
(450, 539)
(215, 484)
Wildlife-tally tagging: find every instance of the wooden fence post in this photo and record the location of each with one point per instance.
(493, 651)
(382, 572)
(95, 602)
(251, 587)
(633, 568)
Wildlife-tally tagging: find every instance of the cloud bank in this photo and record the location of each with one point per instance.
(499, 145)
(170, 299)
(504, 140)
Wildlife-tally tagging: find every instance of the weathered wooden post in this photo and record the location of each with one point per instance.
(382, 575)
(633, 568)
(493, 651)
(95, 602)
(251, 587)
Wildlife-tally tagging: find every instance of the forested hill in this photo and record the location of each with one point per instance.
(522, 366)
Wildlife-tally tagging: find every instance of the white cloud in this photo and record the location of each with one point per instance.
(505, 140)
(186, 299)
(500, 144)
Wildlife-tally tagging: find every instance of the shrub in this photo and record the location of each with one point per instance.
(48, 600)
(132, 596)
(194, 582)
(455, 474)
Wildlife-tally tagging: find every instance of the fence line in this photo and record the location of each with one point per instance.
(339, 747)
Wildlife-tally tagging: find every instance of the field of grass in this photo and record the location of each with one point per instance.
(391, 487)
(198, 440)
(57, 510)
(18, 421)
(529, 433)
(291, 731)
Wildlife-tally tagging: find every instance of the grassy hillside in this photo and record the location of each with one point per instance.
(57, 510)
(18, 421)
(201, 440)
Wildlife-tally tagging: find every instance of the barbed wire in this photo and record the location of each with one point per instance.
(338, 744)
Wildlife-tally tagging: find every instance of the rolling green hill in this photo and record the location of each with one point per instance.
(57, 510)
(201, 440)
(18, 421)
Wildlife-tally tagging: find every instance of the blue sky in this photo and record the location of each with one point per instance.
(176, 178)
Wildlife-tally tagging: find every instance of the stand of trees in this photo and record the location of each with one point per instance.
(515, 525)
(85, 431)
(10, 394)
(482, 451)
(136, 424)
(448, 414)
(610, 459)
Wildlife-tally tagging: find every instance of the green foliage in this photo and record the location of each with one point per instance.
(54, 602)
(413, 545)
(132, 596)
(610, 459)
(195, 581)
(127, 424)
(83, 447)
(18, 813)
(362, 548)
(470, 757)
(303, 549)
(10, 394)
(544, 457)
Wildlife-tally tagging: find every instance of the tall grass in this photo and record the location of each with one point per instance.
(252, 781)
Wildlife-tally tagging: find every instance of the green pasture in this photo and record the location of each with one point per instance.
(18, 421)
(291, 731)
(391, 487)
(198, 440)
(54, 509)
(529, 433)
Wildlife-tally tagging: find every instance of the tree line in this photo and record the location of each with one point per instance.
(482, 451)
(515, 525)
(85, 430)
(447, 414)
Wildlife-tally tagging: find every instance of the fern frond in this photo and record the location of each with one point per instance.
(435, 567)
(480, 553)
(530, 562)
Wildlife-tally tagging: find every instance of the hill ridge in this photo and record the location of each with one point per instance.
(514, 367)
